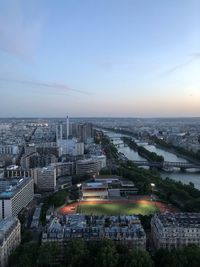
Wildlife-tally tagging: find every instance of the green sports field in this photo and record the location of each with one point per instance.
(143, 208)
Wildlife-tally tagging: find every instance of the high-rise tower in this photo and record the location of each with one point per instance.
(67, 122)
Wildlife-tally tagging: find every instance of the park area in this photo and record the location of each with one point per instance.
(116, 207)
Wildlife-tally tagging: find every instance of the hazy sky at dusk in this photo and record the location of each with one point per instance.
(100, 58)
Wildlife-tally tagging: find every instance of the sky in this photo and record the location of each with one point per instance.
(88, 58)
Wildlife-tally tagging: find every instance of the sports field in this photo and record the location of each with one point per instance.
(141, 207)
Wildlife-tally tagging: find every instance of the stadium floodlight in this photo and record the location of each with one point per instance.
(152, 187)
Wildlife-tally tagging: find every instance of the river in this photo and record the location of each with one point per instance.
(192, 175)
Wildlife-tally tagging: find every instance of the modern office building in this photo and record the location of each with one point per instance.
(10, 238)
(175, 230)
(15, 194)
(87, 166)
(46, 178)
(120, 229)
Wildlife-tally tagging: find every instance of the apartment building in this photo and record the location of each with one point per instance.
(121, 229)
(10, 238)
(175, 230)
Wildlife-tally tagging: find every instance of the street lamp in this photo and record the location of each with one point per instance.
(152, 187)
(79, 186)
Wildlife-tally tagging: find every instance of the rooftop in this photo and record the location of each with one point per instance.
(6, 226)
(94, 185)
(180, 219)
(91, 227)
(10, 186)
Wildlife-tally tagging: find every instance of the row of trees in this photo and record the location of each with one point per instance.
(185, 257)
(109, 148)
(102, 254)
(79, 254)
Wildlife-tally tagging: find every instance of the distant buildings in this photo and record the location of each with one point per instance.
(70, 147)
(41, 158)
(9, 150)
(125, 230)
(82, 131)
(15, 194)
(10, 238)
(175, 230)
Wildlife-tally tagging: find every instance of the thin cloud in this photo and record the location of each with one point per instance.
(195, 57)
(56, 86)
(19, 36)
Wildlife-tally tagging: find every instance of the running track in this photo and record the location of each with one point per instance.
(71, 208)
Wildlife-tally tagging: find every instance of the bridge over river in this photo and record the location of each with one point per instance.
(168, 164)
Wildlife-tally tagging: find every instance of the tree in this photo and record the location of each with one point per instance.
(137, 258)
(24, 255)
(107, 255)
(76, 253)
(48, 254)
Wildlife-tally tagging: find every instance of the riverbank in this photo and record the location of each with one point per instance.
(185, 177)
(191, 156)
(142, 151)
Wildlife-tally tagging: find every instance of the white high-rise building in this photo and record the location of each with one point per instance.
(15, 194)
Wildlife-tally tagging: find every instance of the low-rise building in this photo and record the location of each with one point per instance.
(36, 216)
(175, 230)
(10, 238)
(95, 190)
(117, 186)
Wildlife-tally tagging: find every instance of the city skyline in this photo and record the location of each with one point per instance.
(100, 58)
